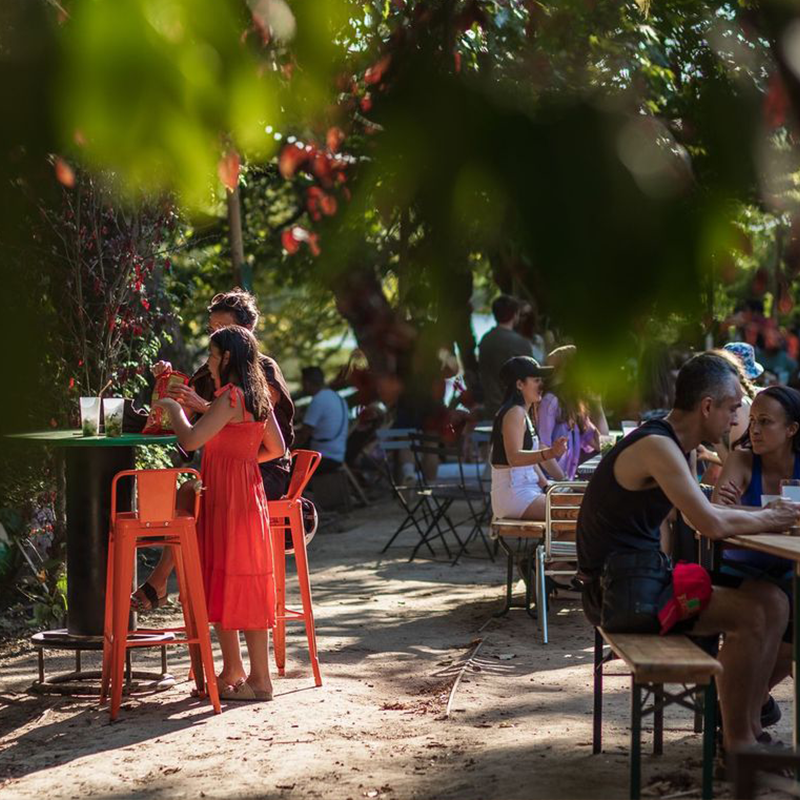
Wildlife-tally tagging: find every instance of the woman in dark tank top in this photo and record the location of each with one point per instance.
(517, 490)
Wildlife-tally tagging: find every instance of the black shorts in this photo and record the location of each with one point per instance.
(276, 480)
(592, 600)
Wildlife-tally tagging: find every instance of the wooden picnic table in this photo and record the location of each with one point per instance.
(91, 464)
(785, 546)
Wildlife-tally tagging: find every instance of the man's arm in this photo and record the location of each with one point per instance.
(661, 459)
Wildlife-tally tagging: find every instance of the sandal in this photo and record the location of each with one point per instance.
(244, 692)
(150, 595)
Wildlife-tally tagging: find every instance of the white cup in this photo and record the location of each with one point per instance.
(113, 408)
(90, 415)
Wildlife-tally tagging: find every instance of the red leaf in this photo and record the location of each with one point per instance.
(321, 167)
(334, 139)
(328, 205)
(228, 169)
(292, 157)
(313, 244)
(776, 102)
(375, 73)
(65, 175)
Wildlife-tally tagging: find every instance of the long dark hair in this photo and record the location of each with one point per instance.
(571, 403)
(244, 364)
(790, 401)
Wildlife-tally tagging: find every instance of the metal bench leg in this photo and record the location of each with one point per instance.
(698, 711)
(636, 740)
(509, 583)
(658, 720)
(709, 738)
(597, 714)
(541, 592)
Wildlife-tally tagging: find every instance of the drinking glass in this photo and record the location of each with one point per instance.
(90, 415)
(628, 426)
(790, 489)
(113, 408)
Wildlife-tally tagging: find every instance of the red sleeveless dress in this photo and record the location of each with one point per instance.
(233, 529)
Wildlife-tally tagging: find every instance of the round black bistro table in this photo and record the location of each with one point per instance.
(91, 464)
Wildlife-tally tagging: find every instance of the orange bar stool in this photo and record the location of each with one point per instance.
(156, 522)
(288, 513)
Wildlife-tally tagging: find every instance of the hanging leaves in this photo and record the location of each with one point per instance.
(228, 170)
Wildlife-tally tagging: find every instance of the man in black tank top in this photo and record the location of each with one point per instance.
(633, 490)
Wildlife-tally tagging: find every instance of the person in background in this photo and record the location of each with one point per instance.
(236, 307)
(517, 482)
(496, 347)
(769, 452)
(634, 488)
(563, 413)
(238, 429)
(325, 423)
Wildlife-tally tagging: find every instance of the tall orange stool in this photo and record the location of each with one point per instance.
(156, 522)
(289, 508)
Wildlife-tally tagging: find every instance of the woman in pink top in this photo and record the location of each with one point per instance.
(562, 413)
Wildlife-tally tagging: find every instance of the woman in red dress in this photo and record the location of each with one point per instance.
(237, 432)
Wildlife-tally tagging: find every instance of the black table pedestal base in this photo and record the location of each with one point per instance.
(77, 681)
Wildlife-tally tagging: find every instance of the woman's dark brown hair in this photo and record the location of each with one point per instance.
(789, 399)
(243, 367)
(238, 302)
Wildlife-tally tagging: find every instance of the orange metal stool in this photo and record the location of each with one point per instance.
(290, 508)
(155, 522)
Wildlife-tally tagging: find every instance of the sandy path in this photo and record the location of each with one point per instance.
(389, 634)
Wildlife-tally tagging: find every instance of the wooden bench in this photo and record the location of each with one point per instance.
(503, 530)
(553, 536)
(653, 661)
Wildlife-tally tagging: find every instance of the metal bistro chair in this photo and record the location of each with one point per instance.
(443, 494)
(286, 515)
(562, 505)
(417, 512)
(156, 522)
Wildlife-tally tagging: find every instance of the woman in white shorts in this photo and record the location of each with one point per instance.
(517, 481)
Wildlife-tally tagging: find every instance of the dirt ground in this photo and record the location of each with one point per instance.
(392, 636)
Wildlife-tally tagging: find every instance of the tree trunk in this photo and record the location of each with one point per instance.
(240, 278)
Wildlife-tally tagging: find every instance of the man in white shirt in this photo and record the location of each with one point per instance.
(325, 423)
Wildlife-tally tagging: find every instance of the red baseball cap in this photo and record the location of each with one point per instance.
(687, 595)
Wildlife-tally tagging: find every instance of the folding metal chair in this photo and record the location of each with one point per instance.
(443, 494)
(394, 440)
(562, 505)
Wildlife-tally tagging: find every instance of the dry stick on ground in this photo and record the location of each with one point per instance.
(460, 675)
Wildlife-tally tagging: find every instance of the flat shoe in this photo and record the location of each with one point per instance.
(244, 692)
(150, 595)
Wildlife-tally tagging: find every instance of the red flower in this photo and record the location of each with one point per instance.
(290, 244)
(366, 104)
(72, 383)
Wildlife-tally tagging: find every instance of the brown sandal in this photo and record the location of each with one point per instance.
(244, 692)
(150, 595)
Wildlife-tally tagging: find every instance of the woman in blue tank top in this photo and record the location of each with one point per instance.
(770, 452)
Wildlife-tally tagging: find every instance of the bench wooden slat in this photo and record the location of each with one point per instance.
(518, 528)
(663, 659)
